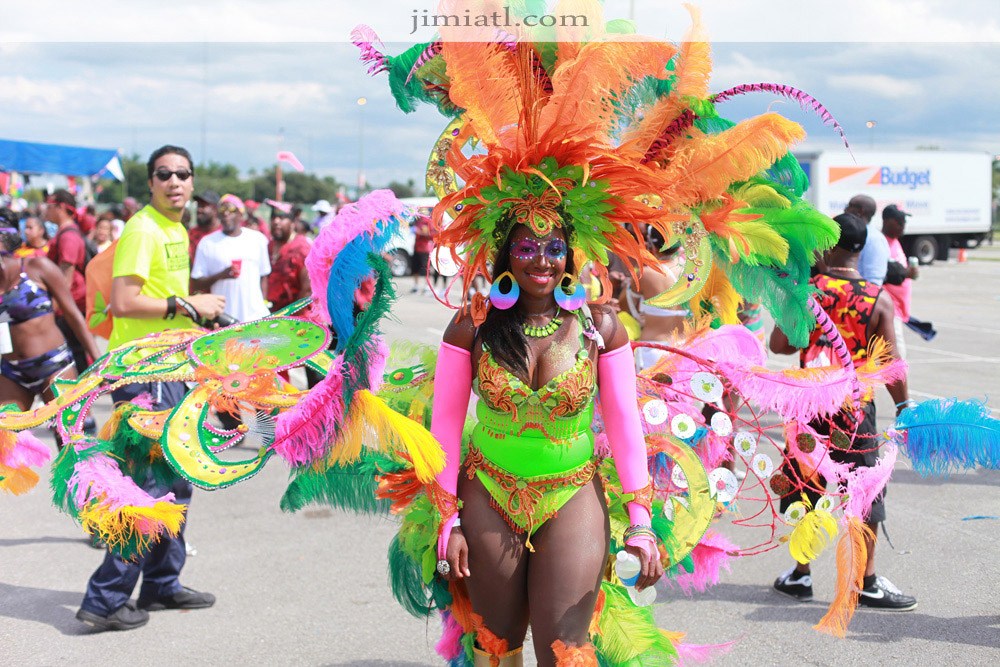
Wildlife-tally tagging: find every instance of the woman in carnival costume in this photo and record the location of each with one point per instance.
(586, 136)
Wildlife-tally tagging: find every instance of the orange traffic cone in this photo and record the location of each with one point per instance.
(961, 256)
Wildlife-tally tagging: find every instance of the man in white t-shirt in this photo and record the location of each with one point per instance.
(233, 262)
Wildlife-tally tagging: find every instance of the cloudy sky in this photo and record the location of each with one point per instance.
(224, 77)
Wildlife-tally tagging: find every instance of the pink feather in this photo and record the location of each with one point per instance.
(730, 342)
(363, 216)
(702, 653)
(144, 401)
(301, 434)
(365, 39)
(710, 556)
(713, 450)
(99, 478)
(450, 646)
(27, 452)
(864, 484)
(803, 98)
(799, 399)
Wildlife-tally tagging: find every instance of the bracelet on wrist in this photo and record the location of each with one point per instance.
(189, 310)
(171, 308)
(639, 532)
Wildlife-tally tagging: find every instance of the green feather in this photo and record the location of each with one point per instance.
(348, 487)
(406, 581)
(627, 634)
(785, 298)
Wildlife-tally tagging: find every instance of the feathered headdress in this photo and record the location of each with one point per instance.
(601, 131)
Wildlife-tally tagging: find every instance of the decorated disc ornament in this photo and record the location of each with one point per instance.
(706, 387)
(723, 484)
(655, 412)
(288, 342)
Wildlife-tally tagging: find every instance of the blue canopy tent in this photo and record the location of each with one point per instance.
(34, 158)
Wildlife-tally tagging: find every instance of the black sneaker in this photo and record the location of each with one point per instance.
(883, 595)
(794, 585)
(126, 617)
(185, 598)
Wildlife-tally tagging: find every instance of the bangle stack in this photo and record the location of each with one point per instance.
(641, 532)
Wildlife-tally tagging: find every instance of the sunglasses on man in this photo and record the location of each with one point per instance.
(163, 175)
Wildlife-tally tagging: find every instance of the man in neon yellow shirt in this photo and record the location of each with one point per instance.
(149, 293)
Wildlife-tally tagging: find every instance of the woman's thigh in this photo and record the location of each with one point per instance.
(12, 392)
(498, 564)
(565, 572)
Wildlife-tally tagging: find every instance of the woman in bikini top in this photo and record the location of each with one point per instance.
(28, 288)
(533, 537)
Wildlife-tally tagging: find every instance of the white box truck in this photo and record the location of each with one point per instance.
(949, 194)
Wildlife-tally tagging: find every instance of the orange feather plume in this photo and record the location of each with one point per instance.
(711, 163)
(585, 89)
(852, 556)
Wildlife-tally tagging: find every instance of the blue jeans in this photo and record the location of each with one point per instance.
(112, 584)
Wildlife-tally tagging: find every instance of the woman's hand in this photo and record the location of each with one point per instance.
(458, 555)
(649, 561)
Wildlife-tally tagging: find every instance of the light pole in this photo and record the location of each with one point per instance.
(361, 144)
(871, 133)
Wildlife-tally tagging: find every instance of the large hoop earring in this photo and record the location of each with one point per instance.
(504, 300)
(569, 297)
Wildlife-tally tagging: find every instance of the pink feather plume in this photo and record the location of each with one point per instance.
(376, 363)
(804, 99)
(450, 646)
(301, 435)
(99, 478)
(729, 341)
(365, 39)
(702, 653)
(712, 554)
(799, 399)
(363, 216)
(864, 484)
(27, 452)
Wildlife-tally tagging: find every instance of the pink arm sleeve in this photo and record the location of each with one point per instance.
(616, 382)
(452, 389)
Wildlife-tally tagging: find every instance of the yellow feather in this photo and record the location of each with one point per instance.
(373, 424)
(718, 293)
(760, 239)
(141, 525)
(807, 541)
(761, 195)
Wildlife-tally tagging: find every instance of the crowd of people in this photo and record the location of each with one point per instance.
(226, 269)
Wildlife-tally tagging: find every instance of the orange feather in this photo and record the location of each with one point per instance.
(852, 555)
(585, 88)
(708, 165)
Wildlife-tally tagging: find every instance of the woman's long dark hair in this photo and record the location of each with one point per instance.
(503, 330)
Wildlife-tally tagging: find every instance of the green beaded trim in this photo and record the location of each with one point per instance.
(543, 332)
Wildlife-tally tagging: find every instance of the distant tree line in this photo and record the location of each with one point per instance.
(226, 179)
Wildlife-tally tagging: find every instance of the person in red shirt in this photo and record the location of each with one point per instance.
(422, 247)
(68, 251)
(289, 279)
(206, 219)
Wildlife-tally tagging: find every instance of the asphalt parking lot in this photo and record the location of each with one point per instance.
(310, 588)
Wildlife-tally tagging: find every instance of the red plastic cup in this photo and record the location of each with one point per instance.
(237, 267)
